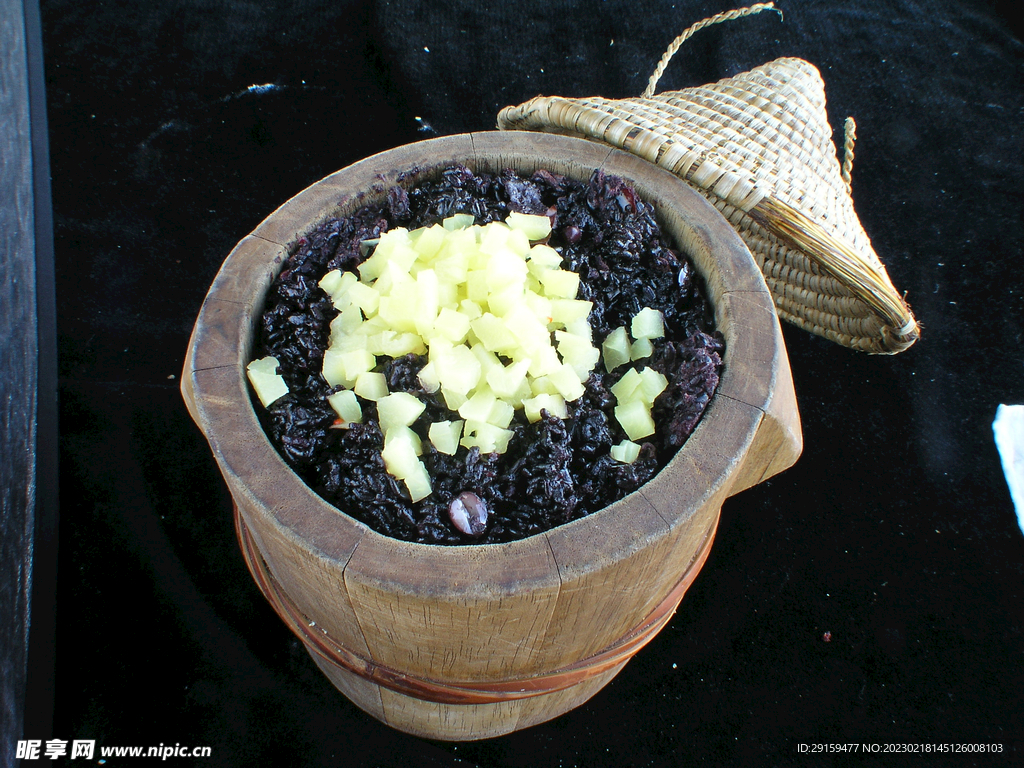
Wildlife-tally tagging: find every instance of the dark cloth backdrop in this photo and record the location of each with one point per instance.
(894, 535)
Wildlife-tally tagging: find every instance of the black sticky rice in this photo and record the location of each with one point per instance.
(554, 471)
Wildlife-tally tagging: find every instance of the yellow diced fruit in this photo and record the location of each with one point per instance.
(493, 333)
(624, 388)
(505, 381)
(426, 301)
(348, 319)
(533, 226)
(453, 400)
(566, 311)
(543, 360)
(452, 269)
(371, 386)
(493, 237)
(544, 257)
(452, 325)
(542, 385)
(504, 301)
(458, 371)
(346, 405)
(330, 281)
(504, 268)
(540, 306)
(340, 292)
(458, 221)
(429, 241)
(567, 382)
(524, 325)
(652, 384)
(615, 349)
(648, 324)
(635, 419)
(476, 286)
(343, 368)
(401, 448)
(577, 352)
(501, 414)
(553, 404)
(365, 297)
(626, 451)
(640, 349)
(581, 328)
(487, 437)
(478, 407)
(418, 483)
(399, 409)
(399, 344)
(268, 383)
(444, 436)
(559, 283)
(428, 378)
(470, 309)
(518, 242)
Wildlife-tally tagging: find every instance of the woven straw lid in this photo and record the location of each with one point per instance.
(759, 147)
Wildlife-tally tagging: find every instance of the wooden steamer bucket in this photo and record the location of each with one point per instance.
(472, 642)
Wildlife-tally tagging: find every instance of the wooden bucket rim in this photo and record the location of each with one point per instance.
(214, 375)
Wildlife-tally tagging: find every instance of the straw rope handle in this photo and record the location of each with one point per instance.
(738, 13)
(849, 137)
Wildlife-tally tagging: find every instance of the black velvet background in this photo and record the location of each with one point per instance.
(894, 532)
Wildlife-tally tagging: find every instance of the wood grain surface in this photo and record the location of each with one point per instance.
(508, 612)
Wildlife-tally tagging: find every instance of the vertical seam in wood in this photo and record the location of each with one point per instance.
(355, 608)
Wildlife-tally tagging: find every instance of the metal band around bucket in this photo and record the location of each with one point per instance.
(466, 692)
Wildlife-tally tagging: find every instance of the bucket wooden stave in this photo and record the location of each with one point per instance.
(473, 642)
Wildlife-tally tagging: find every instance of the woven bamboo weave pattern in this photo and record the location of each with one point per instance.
(759, 147)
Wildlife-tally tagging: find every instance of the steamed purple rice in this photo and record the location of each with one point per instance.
(554, 470)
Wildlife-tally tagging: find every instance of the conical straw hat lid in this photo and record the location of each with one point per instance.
(759, 147)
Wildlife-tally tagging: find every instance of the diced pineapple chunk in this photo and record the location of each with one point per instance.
(365, 297)
(458, 221)
(626, 451)
(330, 281)
(371, 386)
(401, 451)
(533, 226)
(615, 349)
(565, 311)
(560, 283)
(399, 409)
(505, 381)
(479, 406)
(444, 435)
(452, 325)
(652, 384)
(346, 405)
(648, 324)
(418, 483)
(544, 257)
(429, 241)
(458, 371)
(428, 378)
(577, 352)
(640, 349)
(487, 437)
(635, 419)
(567, 382)
(268, 383)
(553, 404)
(493, 333)
(624, 388)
